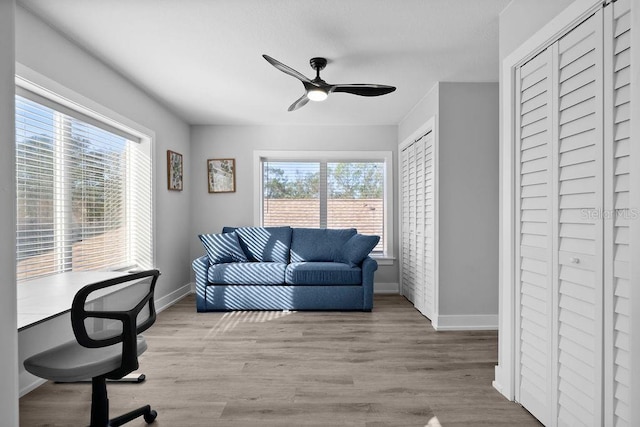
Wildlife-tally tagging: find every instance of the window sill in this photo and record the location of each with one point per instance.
(384, 260)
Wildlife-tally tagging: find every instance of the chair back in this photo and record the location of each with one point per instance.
(100, 321)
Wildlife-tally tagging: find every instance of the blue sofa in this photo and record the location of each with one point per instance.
(285, 268)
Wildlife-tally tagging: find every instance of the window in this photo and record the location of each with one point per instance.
(83, 192)
(327, 190)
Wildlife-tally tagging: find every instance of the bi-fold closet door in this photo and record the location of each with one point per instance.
(418, 244)
(572, 232)
(617, 132)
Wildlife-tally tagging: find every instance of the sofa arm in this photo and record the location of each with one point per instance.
(369, 266)
(201, 267)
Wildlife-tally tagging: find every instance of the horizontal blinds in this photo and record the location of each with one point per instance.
(70, 112)
(76, 185)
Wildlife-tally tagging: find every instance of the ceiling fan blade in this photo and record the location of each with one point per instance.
(300, 102)
(286, 69)
(363, 89)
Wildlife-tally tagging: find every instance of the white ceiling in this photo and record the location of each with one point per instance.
(203, 59)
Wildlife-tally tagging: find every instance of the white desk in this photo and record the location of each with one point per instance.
(47, 297)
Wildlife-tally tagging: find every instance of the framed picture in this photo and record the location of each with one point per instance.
(221, 174)
(174, 170)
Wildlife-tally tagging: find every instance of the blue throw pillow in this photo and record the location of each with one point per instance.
(319, 244)
(264, 244)
(358, 248)
(223, 248)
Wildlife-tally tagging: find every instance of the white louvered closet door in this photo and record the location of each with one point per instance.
(419, 289)
(418, 226)
(578, 260)
(408, 164)
(617, 36)
(534, 237)
(429, 226)
(572, 262)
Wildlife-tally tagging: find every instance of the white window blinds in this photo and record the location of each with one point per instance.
(325, 194)
(83, 193)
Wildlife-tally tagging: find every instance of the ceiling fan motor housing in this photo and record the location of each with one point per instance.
(318, 63)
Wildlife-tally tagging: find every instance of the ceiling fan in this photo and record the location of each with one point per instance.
(318, 90)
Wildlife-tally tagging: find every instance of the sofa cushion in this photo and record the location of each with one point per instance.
(247, 273)
(357, 248)
(322, 273)
(264, 244)
(223, 248)
(319, 244)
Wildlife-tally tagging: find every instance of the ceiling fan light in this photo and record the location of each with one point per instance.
(317, 95)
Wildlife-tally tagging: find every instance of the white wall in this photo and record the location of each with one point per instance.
(426, 108)
(522, 18)
(8, 324)
(210, 212)
(467, 132)
(468, 198)
(48, 53)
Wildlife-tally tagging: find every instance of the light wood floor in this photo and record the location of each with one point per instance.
(385, 368)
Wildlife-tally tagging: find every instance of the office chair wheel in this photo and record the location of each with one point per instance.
(150, 416)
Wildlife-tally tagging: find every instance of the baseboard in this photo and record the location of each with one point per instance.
(469, 322)
(175, 296)
(32, 386)
(386, 288)
(497, 384)
(501, 383)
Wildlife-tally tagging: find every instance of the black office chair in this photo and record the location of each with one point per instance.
(107, 342)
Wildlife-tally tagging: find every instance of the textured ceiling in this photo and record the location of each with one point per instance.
(203, 59)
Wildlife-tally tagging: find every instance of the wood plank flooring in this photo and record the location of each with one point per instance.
(236, 369)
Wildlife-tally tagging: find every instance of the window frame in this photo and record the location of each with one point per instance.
(387, 256)
(80, 107)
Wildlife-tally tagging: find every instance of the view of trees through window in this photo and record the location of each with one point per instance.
(71, 182)
(286, 180)
(325, 194)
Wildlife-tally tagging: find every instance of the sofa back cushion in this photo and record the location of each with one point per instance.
(264, 244)
(319, 244)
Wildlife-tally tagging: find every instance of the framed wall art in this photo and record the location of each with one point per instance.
(174, 171)
(221, 175)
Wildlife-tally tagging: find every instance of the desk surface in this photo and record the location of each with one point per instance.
(46, 297)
